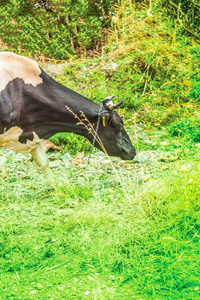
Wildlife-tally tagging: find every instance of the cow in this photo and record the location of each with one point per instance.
(33, 106)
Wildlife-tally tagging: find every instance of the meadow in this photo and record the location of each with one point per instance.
(110, 229)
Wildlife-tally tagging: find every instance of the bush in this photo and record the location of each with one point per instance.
(57, 29)
(72, 142)
(187, 127)
(185, 14)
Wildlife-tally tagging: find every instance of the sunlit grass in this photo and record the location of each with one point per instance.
(84, 239)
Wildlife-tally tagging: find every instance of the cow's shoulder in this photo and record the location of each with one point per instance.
(14, 66)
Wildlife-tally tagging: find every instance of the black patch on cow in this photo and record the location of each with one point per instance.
(25, 136)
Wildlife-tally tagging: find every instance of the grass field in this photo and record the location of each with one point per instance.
(120, 230)
(130, 231)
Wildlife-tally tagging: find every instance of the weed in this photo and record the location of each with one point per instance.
(187, 127)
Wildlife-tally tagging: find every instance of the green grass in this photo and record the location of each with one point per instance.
(147, 62)
(91, 238)
(130, 231)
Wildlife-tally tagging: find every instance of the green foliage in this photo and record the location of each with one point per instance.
(187, 127)
(72, 143)
(55, 29)
(146, 61)
(121, 78)
(161, 86)
(154, 69)
(185, 14)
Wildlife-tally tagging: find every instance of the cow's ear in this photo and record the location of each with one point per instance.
(107, 102)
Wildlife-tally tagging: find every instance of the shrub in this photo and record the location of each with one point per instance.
(72, 142)
(187, 127)
(185, 14)
(58, 29)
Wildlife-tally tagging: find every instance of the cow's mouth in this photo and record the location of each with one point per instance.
(128, 152)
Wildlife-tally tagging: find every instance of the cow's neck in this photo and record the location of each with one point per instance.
(64, 109)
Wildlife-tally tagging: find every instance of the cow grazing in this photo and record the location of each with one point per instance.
(33, 107)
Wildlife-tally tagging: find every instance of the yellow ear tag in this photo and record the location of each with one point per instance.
(104, 121)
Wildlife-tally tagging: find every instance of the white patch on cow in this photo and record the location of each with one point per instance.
(14, 66)
(10, 140)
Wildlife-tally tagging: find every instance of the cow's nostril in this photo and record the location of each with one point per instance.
(126, 140)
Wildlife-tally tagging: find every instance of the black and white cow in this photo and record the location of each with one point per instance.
(33, 106)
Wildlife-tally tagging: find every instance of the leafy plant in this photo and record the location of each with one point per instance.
(185, 15)
(187, 127)
(57, 30)
(72, 143)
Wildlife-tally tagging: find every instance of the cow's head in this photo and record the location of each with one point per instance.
(112, 133)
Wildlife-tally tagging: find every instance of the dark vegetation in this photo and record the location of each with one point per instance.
(184, 14)
(146, 52)
(57, 29)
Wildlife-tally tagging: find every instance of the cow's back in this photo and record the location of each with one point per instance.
(13, 66)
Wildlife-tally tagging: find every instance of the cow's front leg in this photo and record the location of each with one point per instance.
(40, 158)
